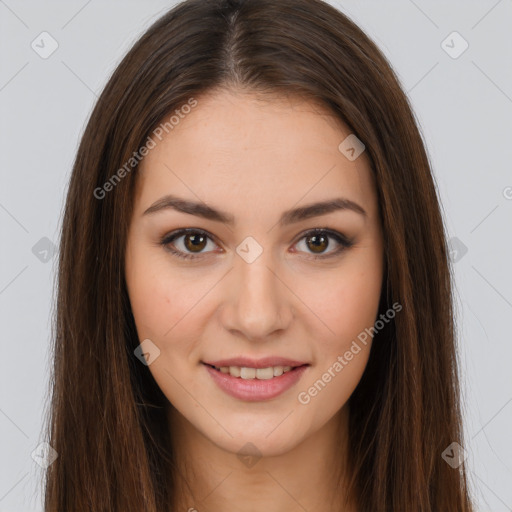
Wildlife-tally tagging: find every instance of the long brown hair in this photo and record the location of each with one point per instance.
(107, 417)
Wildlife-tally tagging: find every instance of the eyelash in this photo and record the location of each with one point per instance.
(338, 237)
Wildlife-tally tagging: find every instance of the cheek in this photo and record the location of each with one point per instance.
(163, 309)
(170, 308)
(348, 304)
(347, 301)
(160, 297)
(151, 304)
(356, 303)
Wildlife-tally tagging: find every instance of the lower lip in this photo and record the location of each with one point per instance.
(256, 390)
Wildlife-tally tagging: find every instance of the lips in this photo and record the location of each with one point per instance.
(253, 380)
(247, 384)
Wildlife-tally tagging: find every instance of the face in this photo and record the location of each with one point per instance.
(261, 280)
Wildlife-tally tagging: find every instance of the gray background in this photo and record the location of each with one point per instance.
(464, 107)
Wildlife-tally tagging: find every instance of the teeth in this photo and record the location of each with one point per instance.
(255, 373)
(278, 370)
(234, 371)
(265, 373)
(248, 373)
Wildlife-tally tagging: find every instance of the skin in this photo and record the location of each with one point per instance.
(255, 158)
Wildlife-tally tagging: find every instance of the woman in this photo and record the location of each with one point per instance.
(254, 304)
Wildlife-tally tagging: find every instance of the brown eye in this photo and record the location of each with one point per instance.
(194, 243)
(191, 243)
(317, 243)
(188, 243)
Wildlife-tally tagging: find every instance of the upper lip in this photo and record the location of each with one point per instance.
(264, 362)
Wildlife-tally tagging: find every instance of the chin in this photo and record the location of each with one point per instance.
(257, 441)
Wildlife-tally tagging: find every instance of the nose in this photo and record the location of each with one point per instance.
(258, 303)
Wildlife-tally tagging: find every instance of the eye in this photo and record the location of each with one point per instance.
(317, 241)
(193, 240)
(191, 243)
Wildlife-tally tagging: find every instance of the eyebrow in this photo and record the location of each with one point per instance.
(288, 217)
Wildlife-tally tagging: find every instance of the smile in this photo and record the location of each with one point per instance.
(255, 384)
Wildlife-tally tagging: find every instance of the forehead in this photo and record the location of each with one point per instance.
(245, 150)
